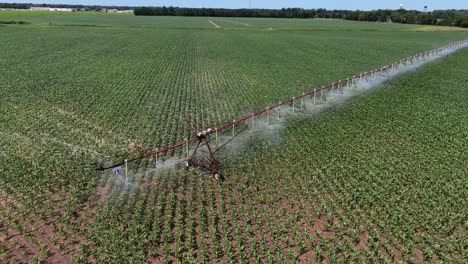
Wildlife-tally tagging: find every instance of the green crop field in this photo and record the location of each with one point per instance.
(128, 20)
(380, 179)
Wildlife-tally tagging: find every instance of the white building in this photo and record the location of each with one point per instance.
(126, 11)
(39, 8)
(61, 9)
(51, 9)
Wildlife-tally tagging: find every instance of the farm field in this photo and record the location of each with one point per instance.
(129, 20)
(321, 25)
(379, 179)
(103, 19)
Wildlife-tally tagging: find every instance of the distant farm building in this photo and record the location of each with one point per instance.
(126, 11)
(104, 10)
(52, 9)
(61, 9)
(110, 10)
(37, 8)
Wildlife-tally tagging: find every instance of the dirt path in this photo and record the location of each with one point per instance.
(214, 24)
(234, 22)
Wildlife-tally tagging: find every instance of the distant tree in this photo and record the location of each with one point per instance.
(439, 17)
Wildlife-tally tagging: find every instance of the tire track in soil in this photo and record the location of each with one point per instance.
(213, 23)
(233, 22)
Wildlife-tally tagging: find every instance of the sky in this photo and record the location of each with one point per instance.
(329, 4)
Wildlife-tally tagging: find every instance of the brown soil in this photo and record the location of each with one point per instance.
(33, 230)
(418, 258)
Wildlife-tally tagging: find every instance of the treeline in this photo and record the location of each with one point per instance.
(439, 17)
(15, 6)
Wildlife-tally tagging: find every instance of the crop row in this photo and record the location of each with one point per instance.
(65, 105)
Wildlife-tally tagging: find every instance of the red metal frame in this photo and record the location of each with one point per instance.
(213, 166)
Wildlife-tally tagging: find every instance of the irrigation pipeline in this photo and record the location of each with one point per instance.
(338, 85)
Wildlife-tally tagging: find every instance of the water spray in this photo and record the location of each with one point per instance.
(336, 92)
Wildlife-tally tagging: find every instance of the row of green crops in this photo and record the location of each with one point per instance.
(69, 96)
(381, 179)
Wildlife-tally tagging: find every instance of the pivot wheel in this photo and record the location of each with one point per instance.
(218, 176)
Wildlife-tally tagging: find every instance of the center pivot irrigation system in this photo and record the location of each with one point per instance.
(203, 140)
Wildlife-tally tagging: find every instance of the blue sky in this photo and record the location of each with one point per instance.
(329, 4)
